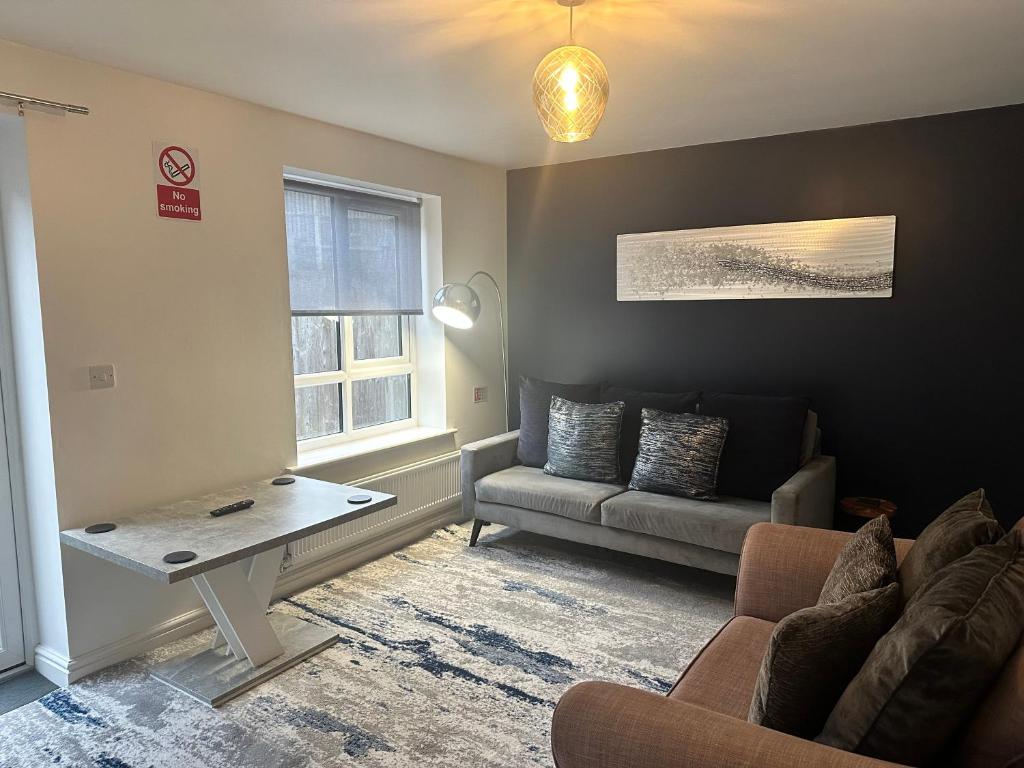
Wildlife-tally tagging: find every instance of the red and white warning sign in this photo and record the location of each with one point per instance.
(177, 182)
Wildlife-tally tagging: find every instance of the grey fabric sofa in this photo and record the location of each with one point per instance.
(703, 534)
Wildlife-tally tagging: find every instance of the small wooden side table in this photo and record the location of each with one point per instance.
(859, 509)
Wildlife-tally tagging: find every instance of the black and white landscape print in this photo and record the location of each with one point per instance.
(831, 258)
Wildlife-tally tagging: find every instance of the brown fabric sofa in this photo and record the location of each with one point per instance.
(702, 721)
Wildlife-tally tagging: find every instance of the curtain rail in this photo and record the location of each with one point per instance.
(21, 101)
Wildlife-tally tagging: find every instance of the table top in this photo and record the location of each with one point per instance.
(867, 506)
(282, 513)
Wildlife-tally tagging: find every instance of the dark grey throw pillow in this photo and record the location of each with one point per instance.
(534, 406)
(765, 438)
(924, 679)
(965, 525)
(679, 454)
(583, 440)
(812, 656)
(867, 561)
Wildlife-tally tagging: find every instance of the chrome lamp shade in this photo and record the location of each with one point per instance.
(457, 305)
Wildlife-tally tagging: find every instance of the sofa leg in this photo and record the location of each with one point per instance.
(477, 525)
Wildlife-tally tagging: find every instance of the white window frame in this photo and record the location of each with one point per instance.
(354, 370)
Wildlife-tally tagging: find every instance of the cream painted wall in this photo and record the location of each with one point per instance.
(194, 316)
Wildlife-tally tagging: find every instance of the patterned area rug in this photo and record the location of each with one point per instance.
(449, 656)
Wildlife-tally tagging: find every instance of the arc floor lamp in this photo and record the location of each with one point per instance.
(458, 305)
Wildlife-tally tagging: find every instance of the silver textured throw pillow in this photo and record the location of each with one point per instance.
(679, 454)
(583, 440)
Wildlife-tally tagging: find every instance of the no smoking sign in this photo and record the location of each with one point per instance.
(176, 171)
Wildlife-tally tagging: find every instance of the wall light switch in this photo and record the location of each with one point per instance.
(101, 376)
(479, 394)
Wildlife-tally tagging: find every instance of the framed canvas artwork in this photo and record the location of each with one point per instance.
(829, 258)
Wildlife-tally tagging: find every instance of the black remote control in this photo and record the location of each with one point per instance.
(238, 506)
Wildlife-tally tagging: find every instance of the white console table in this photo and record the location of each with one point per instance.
(238, 559)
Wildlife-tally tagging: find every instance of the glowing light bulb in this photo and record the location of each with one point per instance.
(570, 91)
(568, 81)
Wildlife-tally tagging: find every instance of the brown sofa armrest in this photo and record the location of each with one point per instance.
(602, 725)
(783, 568)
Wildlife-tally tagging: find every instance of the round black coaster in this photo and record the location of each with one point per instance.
(100, 528)
(360, 498)
(175, 558)
(283, 480)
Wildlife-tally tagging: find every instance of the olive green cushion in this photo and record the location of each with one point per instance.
(812, 656)
(925, 677)
(965, 525)
(866, 562)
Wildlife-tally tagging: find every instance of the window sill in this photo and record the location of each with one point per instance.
(330, 454)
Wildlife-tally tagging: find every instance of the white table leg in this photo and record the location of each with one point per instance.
(261, 572)
(237, 596)
(261, 645)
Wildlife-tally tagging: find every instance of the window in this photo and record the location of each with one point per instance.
(355, 280)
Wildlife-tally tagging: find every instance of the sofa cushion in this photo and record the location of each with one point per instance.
(636, 401)
(866, 562)
(995, 736)
(809, 441)
(583, 440)
(723, 675)
(534, 405)
(679, 454)
(967, 524)
(718, 524)
(927, 675)
(813, 655)
(530, 488)
(764, 446)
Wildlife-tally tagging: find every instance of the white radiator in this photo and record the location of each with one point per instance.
(423, 489)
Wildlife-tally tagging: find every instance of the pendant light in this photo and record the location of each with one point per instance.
(570, 89)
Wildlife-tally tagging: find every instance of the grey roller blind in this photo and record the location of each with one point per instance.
(351, 253)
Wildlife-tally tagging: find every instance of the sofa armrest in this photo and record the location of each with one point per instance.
(603, 725)
(808, 497)
(783, 568)
(482, 458)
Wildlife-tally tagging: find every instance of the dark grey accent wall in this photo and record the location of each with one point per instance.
(919, 395)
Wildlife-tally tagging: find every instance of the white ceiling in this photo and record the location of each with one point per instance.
(454, 75)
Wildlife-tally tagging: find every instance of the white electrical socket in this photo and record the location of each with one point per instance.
(101, 376)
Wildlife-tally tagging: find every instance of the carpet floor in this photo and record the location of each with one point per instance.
(449, 656)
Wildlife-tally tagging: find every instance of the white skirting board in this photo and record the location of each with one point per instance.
(431, 500)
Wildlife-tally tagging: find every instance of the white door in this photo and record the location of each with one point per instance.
(12, 644)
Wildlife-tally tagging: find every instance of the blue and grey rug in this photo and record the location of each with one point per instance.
(449, 656)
